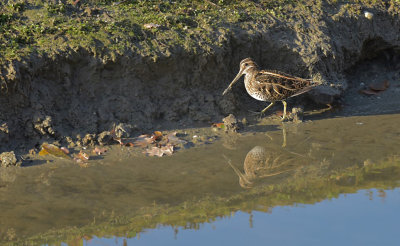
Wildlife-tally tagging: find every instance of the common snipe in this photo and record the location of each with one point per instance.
(270, 86)
(260, 164)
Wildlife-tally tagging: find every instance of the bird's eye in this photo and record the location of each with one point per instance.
(245, 64)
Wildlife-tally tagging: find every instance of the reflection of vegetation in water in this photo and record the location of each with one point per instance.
(307, 185)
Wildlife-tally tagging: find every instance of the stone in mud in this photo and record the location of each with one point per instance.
(8, 159)
(123, 130)
(297, 114)
(231, 123)
(44, 126)
(89, 139)
(104, 138)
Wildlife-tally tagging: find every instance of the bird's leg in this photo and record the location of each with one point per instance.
(264, 110)
(284, 110)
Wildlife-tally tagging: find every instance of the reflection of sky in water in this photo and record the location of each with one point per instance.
(352, 219)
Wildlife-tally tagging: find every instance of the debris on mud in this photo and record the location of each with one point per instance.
(81, 157)
(376, 87)
(164, 144)
(8, 159)
(232, 124)
(297, 114)
(99, 151)
(54, 151)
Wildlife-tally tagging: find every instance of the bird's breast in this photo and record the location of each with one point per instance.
(254, 90)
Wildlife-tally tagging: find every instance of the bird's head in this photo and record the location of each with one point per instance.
(246, 65)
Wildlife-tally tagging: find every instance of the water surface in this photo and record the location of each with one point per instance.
(284, 175)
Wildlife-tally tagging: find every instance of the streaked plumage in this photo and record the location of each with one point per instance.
(260, 163)
(270, 86)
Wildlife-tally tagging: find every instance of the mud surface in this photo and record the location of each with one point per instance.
(65, 97)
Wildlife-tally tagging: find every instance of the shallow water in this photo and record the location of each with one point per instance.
(281, 174)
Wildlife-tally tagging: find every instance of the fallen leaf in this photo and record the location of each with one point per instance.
(151, 25)
(369, 92)
(143, 141)
(157, 135)
(160, 151)
(99, 151)
(218, 125)
(379, 86)
(53, 150)
(65, 150)
(81, 157)
(174, 140)
(43, 152)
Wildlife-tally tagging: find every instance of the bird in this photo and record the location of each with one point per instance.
(271, 86)
(261, 163)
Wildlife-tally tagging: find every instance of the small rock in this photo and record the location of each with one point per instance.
(8, 159)
(368, 15)
(297, 114)
(231, 123)
(89, 139)
(104, 138)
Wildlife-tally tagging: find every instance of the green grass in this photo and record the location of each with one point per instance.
(109, 27)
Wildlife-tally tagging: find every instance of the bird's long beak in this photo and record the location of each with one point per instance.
(234, 81)
(238, 173)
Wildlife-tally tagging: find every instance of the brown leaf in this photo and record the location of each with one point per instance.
(160, 151)
(379, 86)
(143, 141)
(218, 125)
(53, 150)
(81, 157)
(99, 151)
(65, 150)
(369, 92)
(157, 135)
(129, 144)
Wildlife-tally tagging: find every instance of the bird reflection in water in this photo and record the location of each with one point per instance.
(261, 163)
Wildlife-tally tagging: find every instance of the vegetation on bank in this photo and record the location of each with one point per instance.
(109, 27)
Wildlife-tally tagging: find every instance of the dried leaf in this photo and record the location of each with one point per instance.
(65, 150)
(129, 144)
(53, 150)
(218, 125)
(99, 151)
(369, 92)
(81, 156)
(174, 140)
(151, 25)
(43, 152)
(379, 86)
(143, 141)
(157, 135)
(160, 151)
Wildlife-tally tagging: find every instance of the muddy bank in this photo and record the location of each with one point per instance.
(76, 92)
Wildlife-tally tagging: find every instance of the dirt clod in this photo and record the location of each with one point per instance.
(8, 159)
(231, 123)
